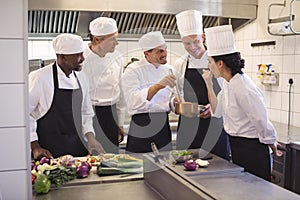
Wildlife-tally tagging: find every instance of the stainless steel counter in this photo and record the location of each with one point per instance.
(286, 135)
(223, 184)
(243, 186)
(123, 190)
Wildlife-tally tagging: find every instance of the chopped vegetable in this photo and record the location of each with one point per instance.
(202, 163)
(190, 165)
(42, 184)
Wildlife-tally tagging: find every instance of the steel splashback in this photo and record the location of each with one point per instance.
(47, 18)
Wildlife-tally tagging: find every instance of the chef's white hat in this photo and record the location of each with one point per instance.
(67, 43)
(220, 40)
(189, 22)
(103, 26)
(151, 40)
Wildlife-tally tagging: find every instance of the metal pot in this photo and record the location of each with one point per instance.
(189, 109)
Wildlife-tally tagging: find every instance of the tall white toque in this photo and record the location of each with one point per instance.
(103, 26)
(67, 43)
(189, 22)
(151, 40)
(220, 40)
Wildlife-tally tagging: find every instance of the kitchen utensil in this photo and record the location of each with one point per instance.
(176, 87)
(157, 156)
(190, 109)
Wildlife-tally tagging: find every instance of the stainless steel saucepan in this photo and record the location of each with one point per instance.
(190, 109)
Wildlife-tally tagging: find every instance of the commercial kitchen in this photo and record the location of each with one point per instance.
(267, 33)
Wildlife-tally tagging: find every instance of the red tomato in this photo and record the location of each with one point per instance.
(92, 159)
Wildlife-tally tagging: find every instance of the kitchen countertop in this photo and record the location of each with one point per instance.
(123, 190)
(243, 186)
(224, 184)
(282, 133)
(216, 165)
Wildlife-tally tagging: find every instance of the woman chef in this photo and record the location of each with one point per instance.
(241, 103)
(147, 90)
(59, 104)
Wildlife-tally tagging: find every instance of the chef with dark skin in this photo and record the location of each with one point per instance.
(59, 104)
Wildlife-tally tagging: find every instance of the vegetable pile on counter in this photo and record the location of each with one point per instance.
(47, 172)
(120, 164)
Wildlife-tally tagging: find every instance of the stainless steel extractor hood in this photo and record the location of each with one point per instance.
(47, 18)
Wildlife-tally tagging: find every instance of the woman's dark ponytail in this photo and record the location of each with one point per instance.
(233, 61)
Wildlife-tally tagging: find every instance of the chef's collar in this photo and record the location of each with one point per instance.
(62, 73)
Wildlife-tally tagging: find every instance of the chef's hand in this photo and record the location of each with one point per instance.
(121, 134)
(168, 80)
(207, 76)
(93, 144)
(39, 152)
(205, 112)
(275, 149)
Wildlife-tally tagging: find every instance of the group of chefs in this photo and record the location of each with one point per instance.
(77, 105)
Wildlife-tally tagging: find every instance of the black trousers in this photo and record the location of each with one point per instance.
(252, 155)
(105, 124)
(146, 128)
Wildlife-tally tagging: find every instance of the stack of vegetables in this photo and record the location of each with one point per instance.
(120, 164)
(47, 172)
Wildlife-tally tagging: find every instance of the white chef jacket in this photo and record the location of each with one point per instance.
(242, 105)
(194, 63)
(41, 90)
(104, 75)
(137, 79)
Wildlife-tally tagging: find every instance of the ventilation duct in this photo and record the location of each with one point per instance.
(47, 18)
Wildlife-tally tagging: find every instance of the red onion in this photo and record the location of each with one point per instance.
(190, 165)
(87, 164)
(82, 171)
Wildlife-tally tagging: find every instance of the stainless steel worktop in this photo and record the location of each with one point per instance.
(205, 184)
(123, 190)
(243, 186)
(216, 165)
(285, 134)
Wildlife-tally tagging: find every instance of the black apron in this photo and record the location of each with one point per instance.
(191, 132)
(252, 155)
(60, 129)
(106, 127)
(146, 128)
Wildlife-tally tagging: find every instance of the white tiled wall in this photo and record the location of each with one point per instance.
(15, 182)
(285, 55)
